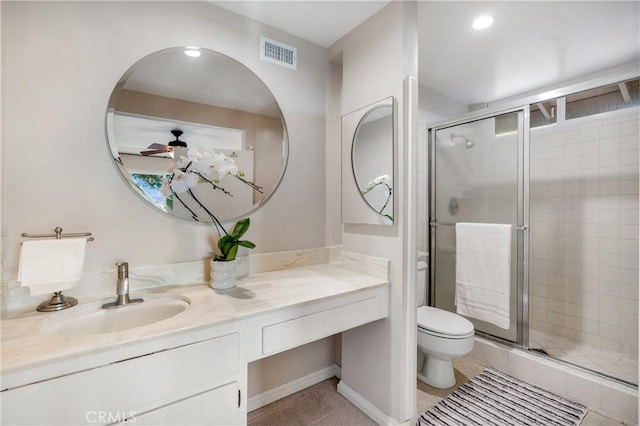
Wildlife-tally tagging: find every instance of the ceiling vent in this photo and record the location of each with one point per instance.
(278, 53)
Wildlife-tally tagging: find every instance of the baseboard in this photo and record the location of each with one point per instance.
(289, 388)
(366, 407)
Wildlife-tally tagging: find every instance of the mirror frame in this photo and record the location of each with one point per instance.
(355, 208)
(202, 218)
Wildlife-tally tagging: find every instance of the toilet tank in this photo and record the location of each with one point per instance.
(421, 284)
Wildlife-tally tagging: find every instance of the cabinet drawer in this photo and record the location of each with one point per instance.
(308, 328)
(213, 407)
(110, 393)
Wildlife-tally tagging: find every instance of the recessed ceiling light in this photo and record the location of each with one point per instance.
(482, 22)
(194, 52)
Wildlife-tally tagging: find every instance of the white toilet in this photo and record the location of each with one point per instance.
(442, 337)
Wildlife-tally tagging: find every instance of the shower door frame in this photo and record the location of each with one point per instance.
(522, 228)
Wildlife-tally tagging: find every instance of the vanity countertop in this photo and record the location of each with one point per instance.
(24, 345)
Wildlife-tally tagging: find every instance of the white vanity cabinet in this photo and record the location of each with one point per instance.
(192, 384)
(188, 369)
(214, 407)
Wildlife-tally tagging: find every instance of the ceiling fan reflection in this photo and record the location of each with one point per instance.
(158, 148)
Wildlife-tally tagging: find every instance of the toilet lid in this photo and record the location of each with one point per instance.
(443, 322)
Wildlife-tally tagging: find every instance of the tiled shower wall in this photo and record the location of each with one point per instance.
(584, 230)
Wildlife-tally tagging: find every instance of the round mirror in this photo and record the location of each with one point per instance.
(372, 159)
(197, 134)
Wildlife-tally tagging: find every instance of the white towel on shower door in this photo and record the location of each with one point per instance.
(483, 272)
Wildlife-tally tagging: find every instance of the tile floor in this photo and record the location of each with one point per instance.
(609, 363)
(464, 370)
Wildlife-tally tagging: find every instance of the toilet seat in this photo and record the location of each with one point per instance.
(445, 324)
(445, 336)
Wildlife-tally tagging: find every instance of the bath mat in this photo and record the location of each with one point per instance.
(495, 398)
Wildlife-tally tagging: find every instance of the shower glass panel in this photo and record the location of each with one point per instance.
(566, 171)
(583, 291)
(477, 176)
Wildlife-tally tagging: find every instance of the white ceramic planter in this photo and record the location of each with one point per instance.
(223, 274)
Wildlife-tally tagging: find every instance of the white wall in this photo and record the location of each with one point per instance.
(277, 370)
(434, 106)
(3, 300)
(333, 151)
(378, 360)
(60, 63)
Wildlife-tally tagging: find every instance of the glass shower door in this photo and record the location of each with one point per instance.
(477, 176)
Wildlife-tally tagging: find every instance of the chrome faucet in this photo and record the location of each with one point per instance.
(122, 288)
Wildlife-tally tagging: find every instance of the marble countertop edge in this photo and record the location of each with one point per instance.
(25, 346)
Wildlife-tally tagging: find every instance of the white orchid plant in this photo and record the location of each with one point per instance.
(202, 166)
(385, 182)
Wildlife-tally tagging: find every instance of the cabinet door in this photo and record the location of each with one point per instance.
(117, 391)
(217, 406)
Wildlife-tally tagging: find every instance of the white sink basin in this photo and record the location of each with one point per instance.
(92, 319)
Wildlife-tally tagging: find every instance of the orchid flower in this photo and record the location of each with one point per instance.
(380, 180)
(227, 168)
(183, 181)
(196, 153)
(182, 163)
(388, 191)
(204, 164)
(209, 163)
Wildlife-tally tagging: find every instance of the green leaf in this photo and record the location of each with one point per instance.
(224, 244)
(232, 253)
(247, 244)
(225, 240)
(229, 244)
(241, 227)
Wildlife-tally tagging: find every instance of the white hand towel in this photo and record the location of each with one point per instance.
(47, 266)
(483, 272)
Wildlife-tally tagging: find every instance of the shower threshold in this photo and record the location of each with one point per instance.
(612, 364)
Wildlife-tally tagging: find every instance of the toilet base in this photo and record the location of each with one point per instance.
(437, 373)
